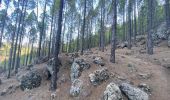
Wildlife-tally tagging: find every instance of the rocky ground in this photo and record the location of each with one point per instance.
(135, 75)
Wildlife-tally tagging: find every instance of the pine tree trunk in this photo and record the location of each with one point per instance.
(130, 25)
(113, 42)
(55, 67)
(150, 26)
(84, 23)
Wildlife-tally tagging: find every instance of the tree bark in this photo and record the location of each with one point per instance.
(113, 42)
(150, 26)
(84, 25)
(55, 67)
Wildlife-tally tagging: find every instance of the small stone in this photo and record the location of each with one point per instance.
(145, 87)
(144, 76)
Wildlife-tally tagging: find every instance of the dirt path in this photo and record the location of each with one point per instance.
(160, 82)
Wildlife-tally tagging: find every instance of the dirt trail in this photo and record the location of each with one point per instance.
(160, 81)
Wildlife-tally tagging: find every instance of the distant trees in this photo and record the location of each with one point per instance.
(4, 21)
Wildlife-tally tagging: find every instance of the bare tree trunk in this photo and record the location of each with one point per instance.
(113, 42)
(130, 24)
(55, 67)
(150, 26)
(135, 23)
(84, 25)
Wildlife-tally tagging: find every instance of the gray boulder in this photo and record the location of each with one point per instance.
(83, 64)
(133, 93)
(0, 81)
(30, 80)
(112, 92)
(9, 89)
(169, 41)
(75, 71)
(76, 87)
(99, 76)
(98, 60)
(161, 32)
(77, 67)
(122, 45)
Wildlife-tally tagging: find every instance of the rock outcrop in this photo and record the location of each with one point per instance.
(0, 81)
(112, 92)
(77, 67)
(9, 89)
(29, 80)
(169, 41)
(98, 60)
(99, 76)
(133, 93)
(76, 87)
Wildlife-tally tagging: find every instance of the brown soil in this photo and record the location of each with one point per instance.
(141, 63)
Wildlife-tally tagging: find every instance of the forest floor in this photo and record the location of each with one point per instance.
(130, 64)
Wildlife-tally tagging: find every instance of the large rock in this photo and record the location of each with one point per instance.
(169, 41)
(77, 67)
(98, 60)
(83, 64)
(99, 76)
(48, 68)
(122, 45)
(0, 81)
(30, 80)
(9, 89)
(112, 92)
(75, 71)
(76, 87)
(133, 93)
(161, 32)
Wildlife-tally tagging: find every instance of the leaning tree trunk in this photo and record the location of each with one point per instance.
(113, 41)
(55, 67)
